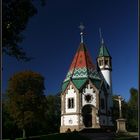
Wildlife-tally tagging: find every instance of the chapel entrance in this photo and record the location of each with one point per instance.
(87, 115)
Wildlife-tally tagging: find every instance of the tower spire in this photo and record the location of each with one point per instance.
(101, 38)
(82, 27)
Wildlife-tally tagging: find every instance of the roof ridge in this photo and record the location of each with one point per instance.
(75, 62)
(86, 64)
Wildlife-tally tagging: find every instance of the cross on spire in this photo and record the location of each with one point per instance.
(82, 27)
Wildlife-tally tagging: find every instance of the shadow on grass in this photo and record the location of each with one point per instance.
(61, 136)
(75, 136)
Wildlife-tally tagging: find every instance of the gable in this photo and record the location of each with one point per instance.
(79, 82)
(64, 85)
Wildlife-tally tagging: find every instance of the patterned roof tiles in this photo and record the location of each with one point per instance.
(82, 69)
(81, 66)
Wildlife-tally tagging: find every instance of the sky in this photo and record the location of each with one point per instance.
(52, 38)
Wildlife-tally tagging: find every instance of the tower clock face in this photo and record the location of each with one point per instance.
(88, 98)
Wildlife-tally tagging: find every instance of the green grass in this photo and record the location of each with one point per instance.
(127, 136)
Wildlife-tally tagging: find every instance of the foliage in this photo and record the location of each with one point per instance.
(53, 113)
(129, 111)
(133, 101)
(9, 128)
(15, 17)
(132, 112)
(26, 102)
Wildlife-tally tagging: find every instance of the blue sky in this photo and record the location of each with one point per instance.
(52, 38)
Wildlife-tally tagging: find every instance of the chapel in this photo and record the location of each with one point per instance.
(86, 93)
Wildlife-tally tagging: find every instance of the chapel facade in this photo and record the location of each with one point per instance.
(86, 97)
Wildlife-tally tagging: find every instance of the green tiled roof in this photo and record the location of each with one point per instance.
(79, 82)
(64, 85)
(103, 51)
(96, 82)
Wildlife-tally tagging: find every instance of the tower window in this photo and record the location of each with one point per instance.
(100, 62)
(106, 62)
(71, 103)
(102, 104)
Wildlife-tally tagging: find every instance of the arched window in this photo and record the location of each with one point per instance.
(106, 62)
(70, 102)
(100, 62)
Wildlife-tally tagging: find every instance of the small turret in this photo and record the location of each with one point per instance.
(105, 68)
(104, 62)
(104, 58)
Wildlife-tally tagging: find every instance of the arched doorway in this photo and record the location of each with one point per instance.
(87, 115)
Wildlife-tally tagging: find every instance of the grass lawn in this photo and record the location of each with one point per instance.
(128, 136)
(125, 138)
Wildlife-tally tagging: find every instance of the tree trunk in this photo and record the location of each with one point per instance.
(23, 133)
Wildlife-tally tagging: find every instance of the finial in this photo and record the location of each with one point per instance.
(82, 27)
(101, 38)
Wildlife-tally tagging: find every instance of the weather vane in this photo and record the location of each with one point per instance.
(82, 27)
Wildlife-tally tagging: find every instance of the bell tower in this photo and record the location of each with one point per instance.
(104, 63)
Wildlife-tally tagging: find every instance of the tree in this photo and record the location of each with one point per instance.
(9, 128)
(132, 111)
(53, 113)
(15, 17)
(26, 99)
(129, 110)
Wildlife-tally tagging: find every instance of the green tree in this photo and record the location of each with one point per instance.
(26, 99)
(132, 112)
(129, 110)
(9, 127)
(53, 113)
(15, 17)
